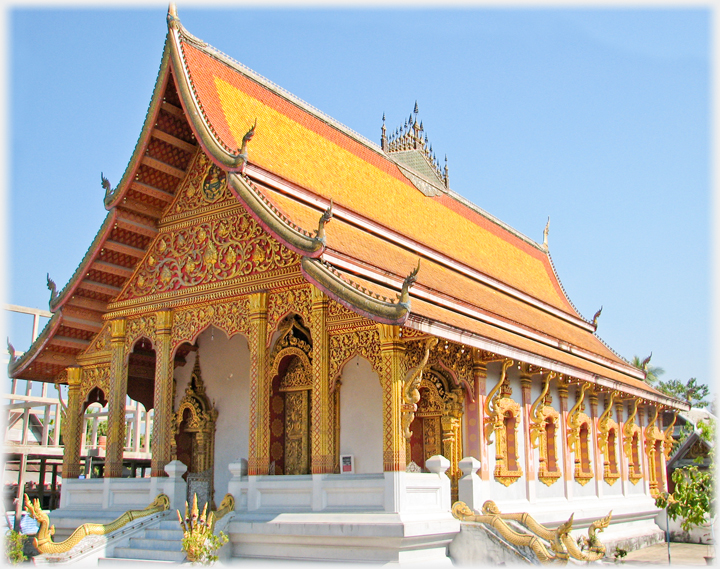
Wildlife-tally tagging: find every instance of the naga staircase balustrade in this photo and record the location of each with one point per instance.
(549, 545)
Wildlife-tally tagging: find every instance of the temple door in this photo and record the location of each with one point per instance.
(290, 419)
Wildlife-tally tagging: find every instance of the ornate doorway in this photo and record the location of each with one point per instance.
(437, 427)
(194, 440)
(290, 401)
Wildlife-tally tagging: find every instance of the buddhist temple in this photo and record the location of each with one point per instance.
(326, 331)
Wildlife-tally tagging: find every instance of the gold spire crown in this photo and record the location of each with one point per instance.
(410, 137)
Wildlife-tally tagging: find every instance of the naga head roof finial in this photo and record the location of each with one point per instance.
(52, 287)
(11, 351)
(645, 362)
(546, 231)
(595, 318)
(409, 281)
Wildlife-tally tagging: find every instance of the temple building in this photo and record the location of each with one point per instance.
(325, 330)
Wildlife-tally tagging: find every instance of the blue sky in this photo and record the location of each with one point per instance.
(598, 118)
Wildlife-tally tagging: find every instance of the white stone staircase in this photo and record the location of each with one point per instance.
(157, 544)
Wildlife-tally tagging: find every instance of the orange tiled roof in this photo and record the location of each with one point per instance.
(302, 147)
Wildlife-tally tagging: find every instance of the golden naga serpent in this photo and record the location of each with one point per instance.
(44, 543)
(562, 545)
(596, 550)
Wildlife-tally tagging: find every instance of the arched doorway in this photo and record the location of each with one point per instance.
(290, 400)
(194, 440)
(437, 426)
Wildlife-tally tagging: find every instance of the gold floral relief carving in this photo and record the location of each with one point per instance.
(208, 251)
(204, 184)
(297, 432)
(343, 347)
(284, 302)
(230, 317)
(95, 376)
(143, 327)
(298, 375)
(101, 343)
(455, 358)
(337, 311)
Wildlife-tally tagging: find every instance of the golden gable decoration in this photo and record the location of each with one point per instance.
(206, 252)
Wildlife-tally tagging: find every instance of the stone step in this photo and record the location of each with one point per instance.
(170, 524)
(158, 544)
(171, 534)
(126, 561)
(149, 554)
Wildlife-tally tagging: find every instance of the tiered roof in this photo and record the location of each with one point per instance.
(480, 282)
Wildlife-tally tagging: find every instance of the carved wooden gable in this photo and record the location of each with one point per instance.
(206, 239)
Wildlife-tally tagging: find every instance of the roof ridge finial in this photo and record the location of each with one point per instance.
(172, 17)
(546, 231)
(415, 110)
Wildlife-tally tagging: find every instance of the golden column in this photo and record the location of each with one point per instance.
(73, 425)
(525, 388)
(259, 452)
(620, 410)
(163, 403)
(322, 412)
(598, 462)
(116, 400)
(480, 377)
(562, 387)
(391, 352)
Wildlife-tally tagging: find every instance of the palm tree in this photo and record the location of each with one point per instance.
(652, 373)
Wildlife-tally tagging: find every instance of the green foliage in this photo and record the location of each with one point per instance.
(619, 553)
(14, 547)
(199, 542)
(652, 373)
(692, 392)
(694, 497)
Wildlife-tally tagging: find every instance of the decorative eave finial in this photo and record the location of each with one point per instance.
(595, 318)
(11, 352)
(645, 362)
(105, 183)
(404, 296)
(447, 174)
(325, 218)
(172, 17)
(52, 287)
(546, 231)
(242, 151)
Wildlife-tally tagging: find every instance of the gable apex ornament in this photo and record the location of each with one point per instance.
(546, 232)
(595, 318)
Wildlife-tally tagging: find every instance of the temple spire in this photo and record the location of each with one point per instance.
(411, 135)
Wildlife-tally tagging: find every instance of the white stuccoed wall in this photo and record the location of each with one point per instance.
(361, 421)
